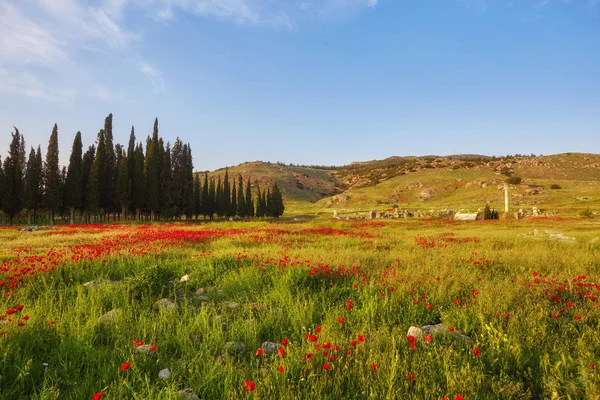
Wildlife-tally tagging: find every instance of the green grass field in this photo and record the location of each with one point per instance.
(79, 300)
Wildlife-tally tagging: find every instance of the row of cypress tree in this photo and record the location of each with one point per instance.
(153, 183)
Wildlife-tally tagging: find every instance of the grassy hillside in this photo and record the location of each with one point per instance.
(563, 184)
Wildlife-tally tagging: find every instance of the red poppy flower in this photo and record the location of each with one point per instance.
(374, 367)
(361, 338)
(19, 307)
(10, 311)
(458, 397)
(451, 329)
(284, 341)
(125, 366)
(249, 386)
(341, 320)
(281, 369)
(555, 315)
(476, 352)
(326, 366)
(410, 338)
(411, 377)
(346, 352)
(428, 338)
(20, 323)
(318, 329)
(353, 343)
(429, 306)
(259, 352)
(312, 338)
(97, 396)
(281, 351)
(153, 348)
(25, 317)
(308, 356)
(50, 323)
(592, 366)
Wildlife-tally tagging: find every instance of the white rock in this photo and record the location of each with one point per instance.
(164, 373)
(184, 278)
(414, 332)
(269, 347)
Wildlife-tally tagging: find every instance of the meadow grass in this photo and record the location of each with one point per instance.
(270, 281)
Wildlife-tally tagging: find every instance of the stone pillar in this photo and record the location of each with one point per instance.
(505, 198)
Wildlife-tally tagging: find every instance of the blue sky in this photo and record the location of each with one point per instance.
(308, 81)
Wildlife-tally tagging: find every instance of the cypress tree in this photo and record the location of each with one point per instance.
(276, 202)
(108, 198)
(219, 198)
(138, 185)
(267, 202)
(52, 176)
(96, 187)
(260, 208)
(168, 198)
(197, 196)
(131, 159)
(241, 201)
(13, 178)
(226, 195)
(87, 162)
(74, 183)
(32, 190)
(188, 181)
(249, 201)
(1, 185)
(152, 173)
(62, 192)
(123, 182)
(205, 202)
(177, 188)
(233, 205)
(212, 199)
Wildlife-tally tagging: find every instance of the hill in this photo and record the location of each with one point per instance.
(563, 184)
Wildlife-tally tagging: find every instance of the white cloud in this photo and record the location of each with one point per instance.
(26, 84)
(152, 73)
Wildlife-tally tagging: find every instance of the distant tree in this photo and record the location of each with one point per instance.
(62, 192)
(211, 207)
(88, 161)
(33, 189)
(241, 200)
(219, 203)
(205, 201)
(131, 160)
(233, 205)
(108, 198)
(249, 202)
(96, 183)
(267, 202)
(52, 176)
(152, 173)
(188, 181)
(2, 178)
(260, 203)
(138, 183)
(197, 196)
(13, 178)
(74, 182)
(275, 202)
(169, 196)
(226, 198)
(123, 182)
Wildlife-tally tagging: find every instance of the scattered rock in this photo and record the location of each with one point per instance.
(269, 347)
(234, 347)
(33, 228)
(414, 332)
(165, 373)
(145, 348)
(188, 394)
(434, 329)
(165, 304)
(232, 305)
(200, 291)
(185, 278)
(560, 236)
(109, 316)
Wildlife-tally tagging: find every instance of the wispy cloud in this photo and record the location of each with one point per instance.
(27, 84)
(153, 74)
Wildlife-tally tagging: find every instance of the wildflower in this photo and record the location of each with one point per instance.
(259, 352)
(25, 317)
(428, 338)
(20, 323)
(592, 366)
(249, 386)
(476, 351)
(153, 348)
(456, 301)
(458, 397)
(312, 338)
(578, 318)
(374, 367)
(318, 329)
(353, 343)
(451, 329)
(555, 315)
(411, 377)
(10, 311)
(50, 323)
(97, 396)
(429, 306)
(281, 351)
(125, 366)
(341, 320)
(361, 338)
(308, 356)
(19, 307)
(284, 341)
(326, 366)
(281, 369)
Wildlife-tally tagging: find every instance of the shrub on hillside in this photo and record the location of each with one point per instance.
(514, 180)
(555, 186)
(587, 213)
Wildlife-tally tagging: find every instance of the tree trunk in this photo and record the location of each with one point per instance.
(51, 222)
(72, 215)
(123, 212)
(28, 218)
